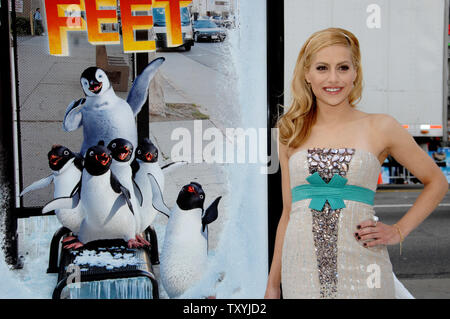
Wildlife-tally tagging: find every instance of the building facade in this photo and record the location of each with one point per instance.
(224, 8)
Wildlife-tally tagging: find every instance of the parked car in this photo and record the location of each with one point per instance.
(208, 30)
(218, 20)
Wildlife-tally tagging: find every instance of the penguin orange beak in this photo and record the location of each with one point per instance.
(149, 156)
(124, 155)
(54, 159)
(191, 190)
(102, 159)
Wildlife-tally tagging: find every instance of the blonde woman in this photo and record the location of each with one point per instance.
(329, 243)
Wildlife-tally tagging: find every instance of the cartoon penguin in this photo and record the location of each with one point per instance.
(107, 204)
(147, 212)
(104, 115)
(185, 250)
(121, 152)
(146, 163)
(148, 208)
(66, 169)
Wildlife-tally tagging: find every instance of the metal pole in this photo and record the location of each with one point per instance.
(446, 78)
(275, 88)
(143, 118)
(7, 194)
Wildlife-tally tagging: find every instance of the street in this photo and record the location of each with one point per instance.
(425, 252)
(424, 265)
(210, 54)
(204, 76)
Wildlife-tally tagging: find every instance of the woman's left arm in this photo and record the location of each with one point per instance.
(402, 146)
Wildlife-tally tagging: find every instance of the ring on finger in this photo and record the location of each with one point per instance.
(375, 219)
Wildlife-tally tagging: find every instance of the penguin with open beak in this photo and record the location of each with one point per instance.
(146, 166)
(185, 251)
(121, 152)
(104, 115)
(66, 167)
(109, 213)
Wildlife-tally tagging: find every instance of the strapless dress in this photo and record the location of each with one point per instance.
(321, 257)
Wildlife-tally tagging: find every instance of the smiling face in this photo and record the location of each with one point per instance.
(331, 75)
(121, 149)
(94, 81)
(147, 152)
(98, 160)
(58, 157)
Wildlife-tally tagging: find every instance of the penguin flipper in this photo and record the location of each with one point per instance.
(73, 116)
(211, 213)
(172, 166)
(62, 203)
(134, 167)
(116, 206)
(126, 194)
(44, 182)
(138, 193)
(157, 200)
(119, 188)
(115, 184)
(139, 91)
(76, 189)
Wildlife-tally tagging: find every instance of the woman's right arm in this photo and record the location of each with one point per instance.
(274, 280)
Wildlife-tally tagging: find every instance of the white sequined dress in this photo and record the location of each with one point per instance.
(321, 257)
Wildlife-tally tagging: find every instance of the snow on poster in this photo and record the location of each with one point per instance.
(142, 126)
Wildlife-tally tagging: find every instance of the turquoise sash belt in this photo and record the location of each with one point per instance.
(335, 192)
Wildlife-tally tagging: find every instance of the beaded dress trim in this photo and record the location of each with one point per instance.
(327, 162)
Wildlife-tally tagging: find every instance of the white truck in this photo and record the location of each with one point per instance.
(404, 49)
(159, 26)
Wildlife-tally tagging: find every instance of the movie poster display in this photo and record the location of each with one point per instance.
(141, 150)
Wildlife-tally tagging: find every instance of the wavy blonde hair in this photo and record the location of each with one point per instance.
(295, 125)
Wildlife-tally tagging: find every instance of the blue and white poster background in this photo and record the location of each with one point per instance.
(237, 262)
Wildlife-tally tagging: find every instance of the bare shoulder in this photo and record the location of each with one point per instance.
(384, 126)
(381, 130)
(384, 119)
(375, 120)
(381, 121)
(392, 137)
